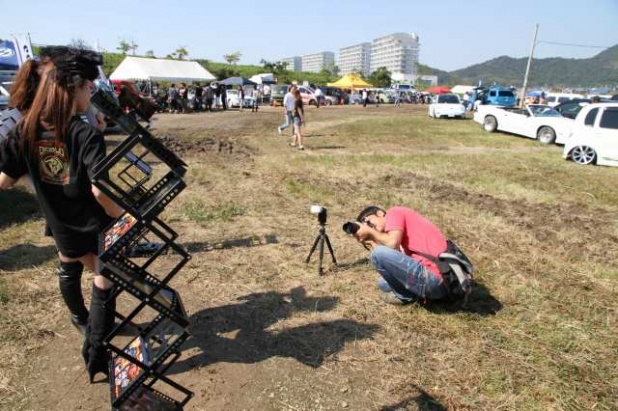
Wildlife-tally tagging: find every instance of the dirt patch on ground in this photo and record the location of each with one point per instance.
(212, 144)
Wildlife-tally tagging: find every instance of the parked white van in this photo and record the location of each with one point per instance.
(553, 99)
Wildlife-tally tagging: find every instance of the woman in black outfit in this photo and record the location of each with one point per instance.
(23, 92)
(59, 151)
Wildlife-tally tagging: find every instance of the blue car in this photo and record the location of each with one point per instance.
(495, 96)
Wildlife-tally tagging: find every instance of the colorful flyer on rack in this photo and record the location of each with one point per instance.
(120, 228)
(125, 372)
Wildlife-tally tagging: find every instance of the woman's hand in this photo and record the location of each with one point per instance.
(101, 124)
(6, 182)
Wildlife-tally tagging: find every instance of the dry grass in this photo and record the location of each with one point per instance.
(270, 334)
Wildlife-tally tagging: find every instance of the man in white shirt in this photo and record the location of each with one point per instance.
(319, 96)
(288, 106)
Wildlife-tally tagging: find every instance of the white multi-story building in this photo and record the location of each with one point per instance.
(314, 63)
(293, 63)
(397, 52)
(355, 59)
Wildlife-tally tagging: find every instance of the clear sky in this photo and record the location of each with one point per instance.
(454, 34)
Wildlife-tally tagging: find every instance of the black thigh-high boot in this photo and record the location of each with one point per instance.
(70, 282)
(100, 325)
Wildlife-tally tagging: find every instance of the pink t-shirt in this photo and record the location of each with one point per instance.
(419, 234)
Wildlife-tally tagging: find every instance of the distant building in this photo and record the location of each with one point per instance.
(293, 63)
(355, 59)
(397, 52)
(314, 63)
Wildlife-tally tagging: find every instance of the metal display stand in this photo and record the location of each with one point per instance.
(142, 354)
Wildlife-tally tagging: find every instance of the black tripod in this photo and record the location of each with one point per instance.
(321, 239)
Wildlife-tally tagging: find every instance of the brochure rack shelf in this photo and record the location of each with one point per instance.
(142, 176)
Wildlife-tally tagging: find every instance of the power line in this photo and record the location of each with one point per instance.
(572, 45)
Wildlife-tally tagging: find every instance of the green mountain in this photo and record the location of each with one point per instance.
(599, 70)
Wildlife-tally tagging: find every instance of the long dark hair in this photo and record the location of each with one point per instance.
(52, 108)
(298, 100)
(25, 85)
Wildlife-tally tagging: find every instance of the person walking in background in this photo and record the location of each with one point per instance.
(298, 116)
(182, 97)
(377, 97)
(172, 98)
(288, 108)
(224, 97)
(319, 97)
(241, 98)
(398, 99)
(218, 88)
(198, 97)
(209, 94)
(256, 98)
(365, 97)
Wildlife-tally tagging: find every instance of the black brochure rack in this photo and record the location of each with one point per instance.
(143, 177)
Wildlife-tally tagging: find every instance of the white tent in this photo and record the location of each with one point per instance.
(263, 78)
(140, 68)
(459, 89)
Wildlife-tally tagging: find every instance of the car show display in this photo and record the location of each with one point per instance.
(143, 177)
(535, 121)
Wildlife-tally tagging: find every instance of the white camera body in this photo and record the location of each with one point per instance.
(316, 209)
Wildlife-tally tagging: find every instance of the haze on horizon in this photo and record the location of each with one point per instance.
(453, 34)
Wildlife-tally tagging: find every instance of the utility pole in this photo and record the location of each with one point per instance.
(523, 97)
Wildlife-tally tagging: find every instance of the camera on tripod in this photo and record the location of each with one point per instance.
(320, 212)
(322, 237)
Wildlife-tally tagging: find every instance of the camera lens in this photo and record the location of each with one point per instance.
(350, 228)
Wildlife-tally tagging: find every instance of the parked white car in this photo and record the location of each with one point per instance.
(233, 99)
(553, 99)
(446, 105)
(536, 121)
(594, 136)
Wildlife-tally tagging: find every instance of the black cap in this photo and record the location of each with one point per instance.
(73, 63)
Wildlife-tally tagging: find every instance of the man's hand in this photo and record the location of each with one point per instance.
(364, 233)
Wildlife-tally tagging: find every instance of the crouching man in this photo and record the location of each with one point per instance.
(402, 241)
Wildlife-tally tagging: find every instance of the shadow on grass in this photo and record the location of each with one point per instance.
(315, 148)
(196, 247)
(480, 302)
(25, 255)
(238, 333)
(17, 206)
(423, 401)
(348, 266)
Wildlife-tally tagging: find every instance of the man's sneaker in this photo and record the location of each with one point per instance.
(390, 298)
(279, 130)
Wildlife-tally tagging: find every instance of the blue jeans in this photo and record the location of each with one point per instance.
(288, 121)
(405, 277)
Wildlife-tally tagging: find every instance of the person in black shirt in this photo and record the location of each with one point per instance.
(23, 92)
(198, 97)
(59, 151)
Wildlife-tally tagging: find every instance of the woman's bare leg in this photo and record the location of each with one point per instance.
(90, 261)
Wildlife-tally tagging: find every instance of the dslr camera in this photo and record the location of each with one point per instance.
(351, 227)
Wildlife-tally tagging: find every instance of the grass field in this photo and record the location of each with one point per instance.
(269, 334)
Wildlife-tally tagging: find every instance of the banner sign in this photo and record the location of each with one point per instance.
(23, 48)
(9, 58)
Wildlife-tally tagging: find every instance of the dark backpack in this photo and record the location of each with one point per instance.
(456, 269)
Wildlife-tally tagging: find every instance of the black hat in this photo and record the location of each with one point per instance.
(73, 64)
